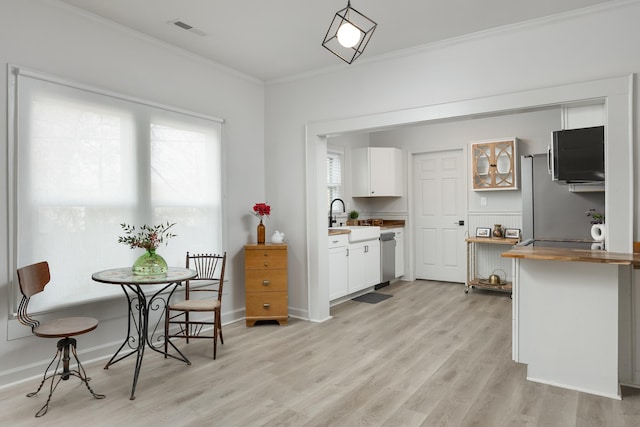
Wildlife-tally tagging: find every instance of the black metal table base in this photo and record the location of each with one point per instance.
(140, 307)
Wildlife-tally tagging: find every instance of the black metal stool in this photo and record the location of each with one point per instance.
(33, 279)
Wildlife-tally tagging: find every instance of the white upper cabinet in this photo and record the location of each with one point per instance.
(376, 172)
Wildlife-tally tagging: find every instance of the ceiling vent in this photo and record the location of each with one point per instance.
(183, 25)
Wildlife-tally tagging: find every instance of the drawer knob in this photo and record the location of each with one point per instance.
(266, 254)
(265, 305)
(266, 264)
(266, 282)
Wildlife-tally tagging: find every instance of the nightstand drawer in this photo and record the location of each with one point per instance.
(265, 259)
(266, 280)
(265, 305)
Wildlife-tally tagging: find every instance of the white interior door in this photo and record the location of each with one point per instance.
(440, 212)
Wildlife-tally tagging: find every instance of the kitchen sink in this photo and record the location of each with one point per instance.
(359, 233)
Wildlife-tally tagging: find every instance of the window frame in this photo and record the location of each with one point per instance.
(13, 98)
(339, 153)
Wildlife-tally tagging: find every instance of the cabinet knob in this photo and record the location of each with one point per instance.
(266, 282)
(266, 254)
(266, 264)
(265, 305)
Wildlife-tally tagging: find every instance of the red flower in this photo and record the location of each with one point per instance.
(261, 209)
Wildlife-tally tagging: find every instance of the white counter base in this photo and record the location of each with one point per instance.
(565, 318)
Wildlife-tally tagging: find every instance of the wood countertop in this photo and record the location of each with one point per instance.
(572, 255)
(336, 231)
(386, 224)
(392, 223)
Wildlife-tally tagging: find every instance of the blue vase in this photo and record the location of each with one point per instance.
(150, 263)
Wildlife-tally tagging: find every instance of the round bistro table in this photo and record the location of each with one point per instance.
(140, 306)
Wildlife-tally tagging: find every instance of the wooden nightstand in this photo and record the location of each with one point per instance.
(266, 285)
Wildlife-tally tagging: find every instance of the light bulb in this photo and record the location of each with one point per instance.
(348, 35)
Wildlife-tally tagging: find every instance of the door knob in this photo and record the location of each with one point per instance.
(460, 222)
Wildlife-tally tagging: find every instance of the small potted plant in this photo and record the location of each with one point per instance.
(596, 217)
(353, 218)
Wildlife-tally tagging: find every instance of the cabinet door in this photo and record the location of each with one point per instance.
(372, 263)
(360, 172)
(376, 172)
(356, 267)
(338, 272)
(385, 166)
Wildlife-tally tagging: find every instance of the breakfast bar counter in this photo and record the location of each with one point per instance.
(572, 255)
(565, 316)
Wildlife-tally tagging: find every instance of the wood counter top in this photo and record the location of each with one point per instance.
(336, 231)
(386, 224)
(392, 223)
(572, 255)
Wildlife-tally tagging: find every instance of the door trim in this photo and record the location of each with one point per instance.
(618, 91)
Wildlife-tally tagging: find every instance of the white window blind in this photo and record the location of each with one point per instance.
(83, 162)
(334, 175)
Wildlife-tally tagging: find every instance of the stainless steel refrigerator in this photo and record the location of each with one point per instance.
(550, 211)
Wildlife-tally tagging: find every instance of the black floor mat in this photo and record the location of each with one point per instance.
(372, 297)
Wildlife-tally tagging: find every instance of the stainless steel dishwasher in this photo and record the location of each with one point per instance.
(387, 257)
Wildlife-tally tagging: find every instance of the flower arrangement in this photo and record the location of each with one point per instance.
(596, 217)
(148, 237)
(261, 210)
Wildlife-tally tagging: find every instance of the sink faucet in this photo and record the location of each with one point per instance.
(333, 220)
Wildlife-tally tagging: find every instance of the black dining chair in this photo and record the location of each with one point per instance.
(33, 279)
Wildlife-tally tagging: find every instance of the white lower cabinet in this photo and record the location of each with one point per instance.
(372, 263)
(352, 266)
(338, 266)
(364, 265)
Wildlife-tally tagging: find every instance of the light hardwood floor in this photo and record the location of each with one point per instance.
(429, 356)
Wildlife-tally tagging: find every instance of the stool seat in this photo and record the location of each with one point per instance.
(66, 327)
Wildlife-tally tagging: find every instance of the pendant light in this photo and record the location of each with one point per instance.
(348, 34)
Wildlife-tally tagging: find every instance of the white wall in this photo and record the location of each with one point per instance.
(52, 38)
(550, 53)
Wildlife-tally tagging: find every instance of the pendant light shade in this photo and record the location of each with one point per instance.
(349, 34)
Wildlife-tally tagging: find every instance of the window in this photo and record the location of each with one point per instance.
(85, 161)
(335, 159)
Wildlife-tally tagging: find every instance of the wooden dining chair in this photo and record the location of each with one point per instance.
(184, 314)
(33, 279)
